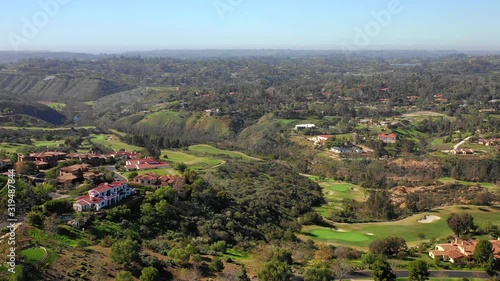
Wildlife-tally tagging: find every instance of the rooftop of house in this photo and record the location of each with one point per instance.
(75, 168)
(388, 135)
(103, 187)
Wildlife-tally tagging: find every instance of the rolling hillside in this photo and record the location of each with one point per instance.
(12, 108)
(59, 87)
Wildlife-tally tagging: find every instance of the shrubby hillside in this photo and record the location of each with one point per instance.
(58, 87)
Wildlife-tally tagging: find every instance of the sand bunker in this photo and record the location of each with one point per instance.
(340, 230)
(429, 219)
(369, 233)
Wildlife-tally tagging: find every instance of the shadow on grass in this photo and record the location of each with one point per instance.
(310, 234)
(484, 210)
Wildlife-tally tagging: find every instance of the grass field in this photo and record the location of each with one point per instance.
(161, 172)
(11, 147)
(204, 148)
(488, 185)
(195, 162)
(114, 142)
(33, 255)
(336, 191)
(408, 228)
(59, 106)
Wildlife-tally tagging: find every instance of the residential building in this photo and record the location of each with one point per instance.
(144, 164)
(305, 126)
(462, 151)
(44, 160)
(92, 159)
(388, 138)
(489, 142)
(76, 173)
(155, 180)
(321, 139)
(342, 150)
(460, 249)
(104, 195)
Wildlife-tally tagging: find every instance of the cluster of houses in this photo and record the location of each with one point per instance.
(50, 159)
(489, 142)
(77, 173)
(460, 249)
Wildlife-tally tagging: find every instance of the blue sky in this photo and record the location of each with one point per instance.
(123, 25)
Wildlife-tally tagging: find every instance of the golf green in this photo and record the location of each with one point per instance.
(326, 234)
(344, 187)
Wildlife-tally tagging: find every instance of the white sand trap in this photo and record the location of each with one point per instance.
(330, 192)
(429, 219)
(340, 230)
(369, 233)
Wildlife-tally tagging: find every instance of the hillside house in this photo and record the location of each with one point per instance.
(489, 142)
(92, 159)
(343, 150)
(144, 164)
(462, 151)
(321, 139)
(304, 126)
(124, 155)
(104, 195)
(460, 249)
(388, 138)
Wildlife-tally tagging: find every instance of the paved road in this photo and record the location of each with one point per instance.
(433, 273)
(462, 142)
(117, 176)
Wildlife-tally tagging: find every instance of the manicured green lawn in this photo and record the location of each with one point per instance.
(47, 143)
(33, 255)
(195, 162)
(11, 147)
(204, 148)
(483, 184)
(408, 228)
(336, 191)
(327, 234)
(342, 187)
(161, 172)
(114, 142)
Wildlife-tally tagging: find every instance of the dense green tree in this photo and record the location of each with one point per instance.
(389, 246)
(319, 271)
(124, 276)
(483, 251)
(149, 274)
(461, 223)
(382, 270)
(492, 267)
(418, 271)
(125, 251)
(275, 270)
(216, 265)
